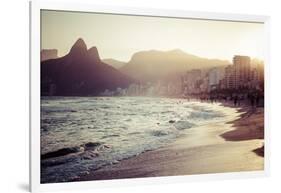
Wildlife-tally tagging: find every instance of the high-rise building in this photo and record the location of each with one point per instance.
(229, 77)
(257, 74)
(215, 75)
(242, 69)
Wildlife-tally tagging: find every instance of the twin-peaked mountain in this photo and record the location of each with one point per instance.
(80, 73)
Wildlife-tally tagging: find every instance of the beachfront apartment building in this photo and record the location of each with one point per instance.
(237, 75)
(229, 78)
(242, 70)
(215, 75)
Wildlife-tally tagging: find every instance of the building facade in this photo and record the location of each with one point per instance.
(242, 71)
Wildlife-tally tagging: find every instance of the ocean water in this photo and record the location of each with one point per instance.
(82, 134)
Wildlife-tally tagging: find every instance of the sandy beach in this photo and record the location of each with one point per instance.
(233, 145)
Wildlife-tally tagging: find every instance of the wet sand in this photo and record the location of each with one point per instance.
(249, 126)
(228, 146)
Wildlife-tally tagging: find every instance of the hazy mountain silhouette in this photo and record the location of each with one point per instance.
(81, 73)
(114, 63)
(153, 64)
(47, 54)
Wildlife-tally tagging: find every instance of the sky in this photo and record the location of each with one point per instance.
(120, 36)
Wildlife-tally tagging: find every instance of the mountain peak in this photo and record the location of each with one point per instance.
(94, 54)
(80, 43)
(79, 46)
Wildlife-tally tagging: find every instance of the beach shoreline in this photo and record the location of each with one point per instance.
(233, 145)
(249, 126)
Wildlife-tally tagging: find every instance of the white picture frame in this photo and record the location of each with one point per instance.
(36, 6)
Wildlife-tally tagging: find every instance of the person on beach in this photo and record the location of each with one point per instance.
(252, 100)
(257, 99)
(235, 100)
(240, 99)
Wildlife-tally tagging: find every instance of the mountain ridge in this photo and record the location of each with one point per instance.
(153, 65)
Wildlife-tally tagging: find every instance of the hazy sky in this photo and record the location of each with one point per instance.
(120, 36)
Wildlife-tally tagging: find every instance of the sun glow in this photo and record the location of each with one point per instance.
(120, 36)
